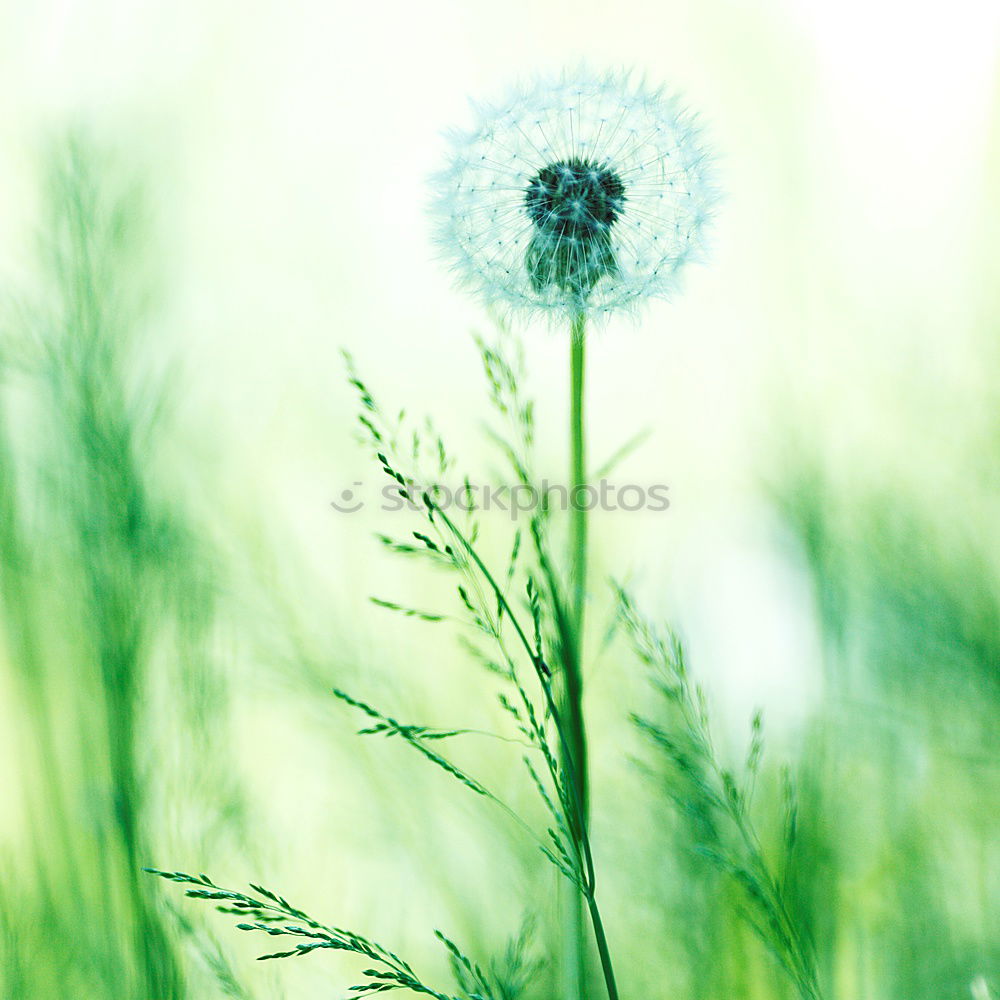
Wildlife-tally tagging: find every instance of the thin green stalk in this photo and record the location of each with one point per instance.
(578, 543)
(580, 826)
(602, 947)
(573, 660)
(578, 568)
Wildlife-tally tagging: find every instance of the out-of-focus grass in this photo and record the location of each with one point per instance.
(893, 876)
(901, 770)
(99, 570)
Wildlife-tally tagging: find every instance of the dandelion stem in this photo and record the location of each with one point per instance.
(578, 506)
(578, 572)
(577, 765)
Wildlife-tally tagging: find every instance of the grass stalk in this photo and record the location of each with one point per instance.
(588, 888)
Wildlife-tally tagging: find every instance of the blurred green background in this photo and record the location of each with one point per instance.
(201, 204)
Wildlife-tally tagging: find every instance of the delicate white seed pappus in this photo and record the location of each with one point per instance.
(575, 197)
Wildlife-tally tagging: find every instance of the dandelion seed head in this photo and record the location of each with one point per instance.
(584, 195)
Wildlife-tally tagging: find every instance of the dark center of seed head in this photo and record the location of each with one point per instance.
(574, 197)
(573, 204)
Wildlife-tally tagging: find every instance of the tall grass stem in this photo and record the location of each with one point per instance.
(576, 962)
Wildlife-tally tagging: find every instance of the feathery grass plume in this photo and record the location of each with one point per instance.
(488, 603)
(507, 976)
(575, 198)
(722, 800)
(511, 638)
(265, 912)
